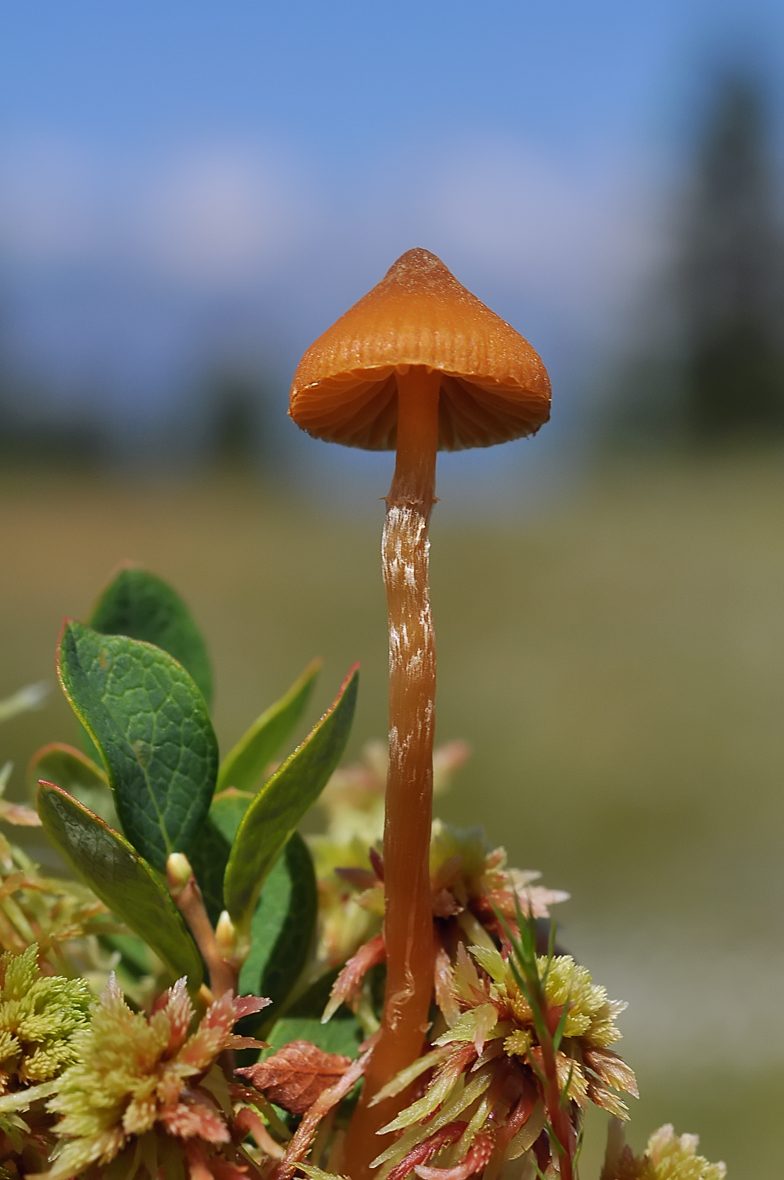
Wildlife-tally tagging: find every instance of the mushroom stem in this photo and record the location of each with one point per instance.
(408, 915)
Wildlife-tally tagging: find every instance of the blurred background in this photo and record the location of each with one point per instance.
(191, 192)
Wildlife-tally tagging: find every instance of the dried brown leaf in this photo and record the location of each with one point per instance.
(296, 1075)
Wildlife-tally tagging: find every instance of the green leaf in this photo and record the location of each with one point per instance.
(134, 953)
(302, 1022)
(210, 854)
(77, 774)
(209, 857)
(281, 803)
(151, 726)
(227, 811)
(141, 606)
(120, 878)
(341, 1035)
(243, 766)
(282, 926)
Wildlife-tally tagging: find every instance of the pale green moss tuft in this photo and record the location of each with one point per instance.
(674, 1157)
(39, 1015)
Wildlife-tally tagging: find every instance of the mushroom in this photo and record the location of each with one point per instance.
(418, 365)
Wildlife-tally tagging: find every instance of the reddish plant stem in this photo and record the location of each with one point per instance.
(518, 1116)
(557, 1111)
(408, 915)
(189, 901)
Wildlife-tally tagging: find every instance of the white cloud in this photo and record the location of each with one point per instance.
(576, 232)
(225, 213)
(219, 216)
(214, 215)
(140, 244)
(49, 199)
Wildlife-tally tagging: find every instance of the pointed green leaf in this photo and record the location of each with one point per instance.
(151, 726)
(209, 857)
(141, 606)
(78, 775)
(282, 926)
(122, 880)
(210, 853)
(227, 812)
(243, 766)
(281, 803)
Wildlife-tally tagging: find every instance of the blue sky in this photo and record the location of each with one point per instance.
(184, 182)
(346, 79)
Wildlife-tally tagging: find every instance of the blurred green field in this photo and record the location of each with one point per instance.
(616, 662)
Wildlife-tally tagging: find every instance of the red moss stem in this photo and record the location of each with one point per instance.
(557, 1105)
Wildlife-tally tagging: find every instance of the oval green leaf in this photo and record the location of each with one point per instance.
(282, 926)
(78, 775)
(151, 726)
(281, 803)
(120, 878)
(244, 765)
(142, 606)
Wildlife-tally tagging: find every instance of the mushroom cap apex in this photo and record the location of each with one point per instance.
(494, 386)
(419, 269)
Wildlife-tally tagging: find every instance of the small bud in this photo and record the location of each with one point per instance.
(178, 873)
(206, 996)
(226, 935)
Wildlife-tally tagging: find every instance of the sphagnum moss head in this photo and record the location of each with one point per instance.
(39, 1015)
(417, 365)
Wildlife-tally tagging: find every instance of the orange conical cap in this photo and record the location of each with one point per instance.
(494, 386)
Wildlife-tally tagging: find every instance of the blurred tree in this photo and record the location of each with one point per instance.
(38, 430)
(238, 436)
(730, 277)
